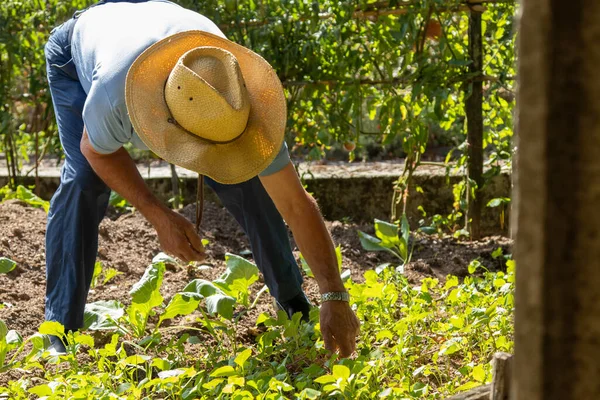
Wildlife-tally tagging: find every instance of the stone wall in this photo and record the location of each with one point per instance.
(358, 195)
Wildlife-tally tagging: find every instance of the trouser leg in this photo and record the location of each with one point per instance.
(78, 205)
(254, 210)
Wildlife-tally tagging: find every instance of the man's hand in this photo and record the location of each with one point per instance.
(339, 327)
(177, 236)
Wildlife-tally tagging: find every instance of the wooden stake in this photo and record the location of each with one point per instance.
(502, 375)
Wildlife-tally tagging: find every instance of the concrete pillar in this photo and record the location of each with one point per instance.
(557, 343)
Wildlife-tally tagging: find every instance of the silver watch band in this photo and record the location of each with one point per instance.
(335, 296)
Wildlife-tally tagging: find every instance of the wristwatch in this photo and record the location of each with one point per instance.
(335, 296)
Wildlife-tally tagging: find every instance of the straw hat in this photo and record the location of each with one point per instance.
(207, 104)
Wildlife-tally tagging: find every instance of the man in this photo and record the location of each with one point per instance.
(165, 78)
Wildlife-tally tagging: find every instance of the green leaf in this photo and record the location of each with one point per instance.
(457, 321)
(239, 268)
(309, 393)
(161, 364)
(369, 242)
(213, 383)
(338, 256)
(180, 304)
(30, 198)
(6, 265)
(86, 340)
(498, 201)
(216, 301)
(428, 230)
(102, 314)
(109, 274)
(405, 229)
(497, 253)
(41, 391)
(200, 288)
(306, 267)
(96, 274)
(324, 379)
(479, 373)
(164, 258)
(220, 304)
(13, 337)
(467, 386)
(386, 230)
(226, 370)
(474, 266)
(146, 290)
(450, 347)
(243, 357)
(3, 330)
(52, 328)
(135, 359)
(341, 371)
(238, 277)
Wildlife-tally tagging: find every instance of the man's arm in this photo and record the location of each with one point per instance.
(339, 325)
(176, 234)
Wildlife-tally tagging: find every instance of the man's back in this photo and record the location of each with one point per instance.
(106, 41)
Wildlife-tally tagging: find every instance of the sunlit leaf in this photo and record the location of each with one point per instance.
(6, 265)
(102, 314)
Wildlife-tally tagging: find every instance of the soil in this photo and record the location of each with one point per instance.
(127, 243)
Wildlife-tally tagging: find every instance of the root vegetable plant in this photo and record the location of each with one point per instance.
(424, 341)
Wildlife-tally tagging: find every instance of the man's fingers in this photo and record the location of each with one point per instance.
(194, 239)
(346, 345)
(180, 256)
(328, 339)
(189, 253)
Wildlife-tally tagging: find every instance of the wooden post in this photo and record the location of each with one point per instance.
(500, 387)
(478, 393)
(474, 111)
(557, 213)
(501, 376)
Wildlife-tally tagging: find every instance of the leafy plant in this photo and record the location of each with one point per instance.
(117, 201)
(501, 202)
(389, 238)
(145, 295)
(424, 341)
(238, 277)
(107, 274)
(25, 195)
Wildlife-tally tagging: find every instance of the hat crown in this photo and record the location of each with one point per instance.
(207, 96)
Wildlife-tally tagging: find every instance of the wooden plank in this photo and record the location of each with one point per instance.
(478, 393)
(502, 376)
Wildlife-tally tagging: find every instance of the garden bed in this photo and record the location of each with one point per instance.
(455, 327)
(128, 243)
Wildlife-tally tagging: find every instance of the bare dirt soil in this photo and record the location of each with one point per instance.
(128, 243)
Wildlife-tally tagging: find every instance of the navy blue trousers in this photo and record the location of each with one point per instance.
(80, 203)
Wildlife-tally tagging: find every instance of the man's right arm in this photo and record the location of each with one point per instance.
(176, 234)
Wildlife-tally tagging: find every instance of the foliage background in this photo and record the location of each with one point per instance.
(391, 73)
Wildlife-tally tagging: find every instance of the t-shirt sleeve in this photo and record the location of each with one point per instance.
(281, 160)
(103, 122)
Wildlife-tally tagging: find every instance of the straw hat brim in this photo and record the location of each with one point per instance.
(230, 163)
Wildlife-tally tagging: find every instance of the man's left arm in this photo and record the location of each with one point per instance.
(339, 324)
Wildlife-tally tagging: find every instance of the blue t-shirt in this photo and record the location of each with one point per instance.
(106, 41)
